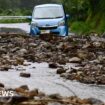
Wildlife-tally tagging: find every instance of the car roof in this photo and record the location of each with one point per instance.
(46, 5)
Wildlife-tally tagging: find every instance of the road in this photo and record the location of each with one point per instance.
(46, 79)
(23, 26)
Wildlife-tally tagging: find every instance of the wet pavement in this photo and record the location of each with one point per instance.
(47, 81)
(22, 26)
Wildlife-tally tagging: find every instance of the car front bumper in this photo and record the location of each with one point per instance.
(60, 30)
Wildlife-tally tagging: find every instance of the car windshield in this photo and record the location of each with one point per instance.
(48, 12)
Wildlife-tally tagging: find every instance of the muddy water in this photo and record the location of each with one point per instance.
(48, 81)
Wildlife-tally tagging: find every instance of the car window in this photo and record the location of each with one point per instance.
(48, 12)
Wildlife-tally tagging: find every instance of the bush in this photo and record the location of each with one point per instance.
(15, 12)
(80, 27)
(14, 20)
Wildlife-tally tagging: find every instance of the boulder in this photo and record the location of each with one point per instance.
(75, 60)
(53, 65)
(26, 75)
(2, 85)
(60, 71)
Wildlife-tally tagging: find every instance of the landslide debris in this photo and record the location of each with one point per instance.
(87, 51)
(23, 96)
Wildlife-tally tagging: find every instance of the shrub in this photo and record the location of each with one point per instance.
(80, 27)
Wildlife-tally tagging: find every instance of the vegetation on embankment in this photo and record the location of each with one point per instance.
(14, 20)
(86, 15)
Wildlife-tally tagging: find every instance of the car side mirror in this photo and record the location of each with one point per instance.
(67, 16)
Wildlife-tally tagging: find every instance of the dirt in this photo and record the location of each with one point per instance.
(86, 51)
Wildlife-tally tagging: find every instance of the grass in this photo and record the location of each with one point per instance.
(15, 12)
(96, 25)
(80, 27)
(14, 20)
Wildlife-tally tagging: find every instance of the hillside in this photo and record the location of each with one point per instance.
(96, 17)
(20, 7)
(86, 15)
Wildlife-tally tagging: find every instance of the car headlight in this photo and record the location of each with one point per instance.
(61, 23)
(34, 25)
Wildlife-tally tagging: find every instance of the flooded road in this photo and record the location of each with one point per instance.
(48, 81)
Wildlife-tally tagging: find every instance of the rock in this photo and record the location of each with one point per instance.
(32, 45)
(2, 85)
(82, 54)
(41, 94)
(87, 45)
(34, 67)
(15, 49)
(65, 75)
(21, 52)
(18, 99)
(96, 44)
(26, 75)
(5, 67)
(75, 60)
(20, 61)
(60, 71)
(24, 90)
(94, 101)
(20, 69)
(33, 103)
(33, 93)
(96, 61)
(54, 103)
(101, 80)
(24, 87)
(55, 96)
(53, 65)
(2, 50)
(84, 101)
(62, 62)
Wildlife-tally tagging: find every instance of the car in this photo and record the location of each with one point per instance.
(49, 19)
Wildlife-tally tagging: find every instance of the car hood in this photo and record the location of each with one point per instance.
(47, 22)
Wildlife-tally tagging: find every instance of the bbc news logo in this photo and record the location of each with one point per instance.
(4, 93)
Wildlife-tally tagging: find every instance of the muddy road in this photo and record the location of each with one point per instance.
(35, 62)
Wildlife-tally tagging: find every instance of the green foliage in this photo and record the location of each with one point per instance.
(20, 7)
(76, 8)
(90, 12)
(14, 20)
(80, 27)
(15, 12)
(101, 25)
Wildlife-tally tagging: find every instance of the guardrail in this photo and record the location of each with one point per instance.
(14, 17)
